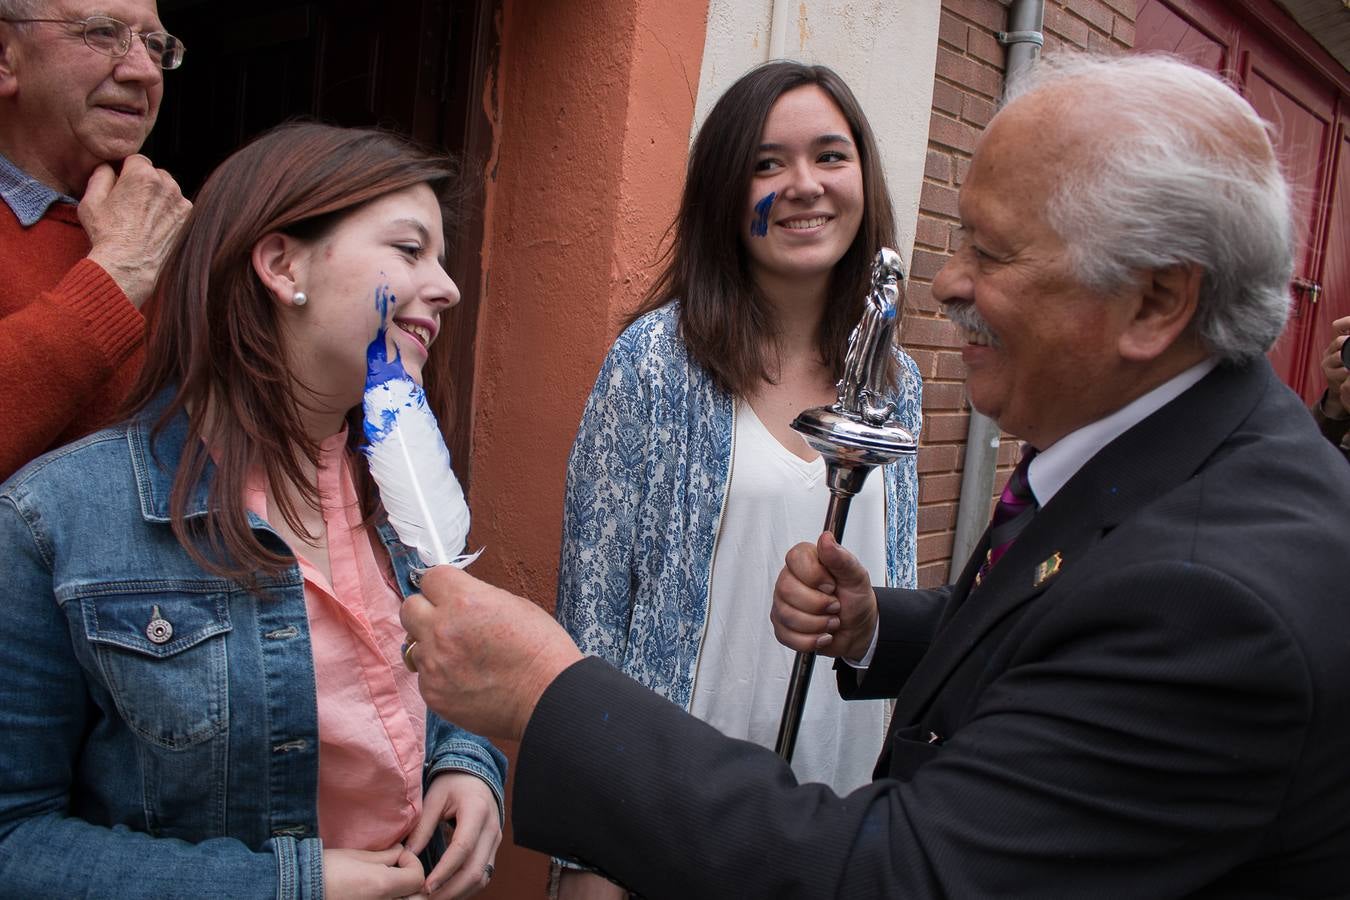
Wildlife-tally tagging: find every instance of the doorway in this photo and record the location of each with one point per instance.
(417, 67)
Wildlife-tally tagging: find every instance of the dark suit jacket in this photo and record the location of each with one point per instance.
(1148, 697)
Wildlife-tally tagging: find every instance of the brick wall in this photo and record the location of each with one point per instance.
(968, 83)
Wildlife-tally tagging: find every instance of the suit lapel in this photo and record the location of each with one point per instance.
(1136, 468)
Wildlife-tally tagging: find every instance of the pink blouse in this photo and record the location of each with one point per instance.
(372, 720)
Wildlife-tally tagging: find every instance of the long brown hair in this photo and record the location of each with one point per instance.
(215, 338)
(724, 320)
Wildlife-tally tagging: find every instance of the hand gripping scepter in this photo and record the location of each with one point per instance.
(855, 435)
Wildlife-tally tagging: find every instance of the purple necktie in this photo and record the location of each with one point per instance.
(1015, 508)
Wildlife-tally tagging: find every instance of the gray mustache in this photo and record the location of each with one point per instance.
(965, 315)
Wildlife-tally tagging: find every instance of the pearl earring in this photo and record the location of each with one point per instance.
(299, 298)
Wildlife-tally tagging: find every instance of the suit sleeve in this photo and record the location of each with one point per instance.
(906, 622)
(55, 353)
(1101, 762)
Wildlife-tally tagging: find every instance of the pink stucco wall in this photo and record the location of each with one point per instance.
(592, 109)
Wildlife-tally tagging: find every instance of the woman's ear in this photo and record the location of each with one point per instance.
(279, 261)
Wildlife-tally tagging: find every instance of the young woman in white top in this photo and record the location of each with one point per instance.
(686, 486)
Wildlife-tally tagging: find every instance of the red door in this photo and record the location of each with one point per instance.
(1272, 67)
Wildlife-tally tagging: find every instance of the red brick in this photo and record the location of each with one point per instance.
(941, 427)
(919, 297)
(925, 360)
(938, 459)
(936, 488)
(946, 132)
(944, 395)
(977, 110)
(926, 264)
(938, 200)
(984, 46)
(1095, 12)
(1071, 28)
(1123, 30)
(934, 547)
(933, 333)
(938, 166)
(936, 517)
(962, 167)
(952, 30)
(1127, 8)
(1054, 43)
(933, 575)
(968, 73)
(947, 98)
(989, 13)
(950, 365)
(929, 232)
(1100, 44)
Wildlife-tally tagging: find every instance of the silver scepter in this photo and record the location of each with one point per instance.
(855, 435)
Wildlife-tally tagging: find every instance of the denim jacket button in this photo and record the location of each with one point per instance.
(415, 577)
(160, 629)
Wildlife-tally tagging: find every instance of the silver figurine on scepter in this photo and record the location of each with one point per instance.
(855, 434)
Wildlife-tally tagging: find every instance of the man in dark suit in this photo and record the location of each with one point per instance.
(1139, 687)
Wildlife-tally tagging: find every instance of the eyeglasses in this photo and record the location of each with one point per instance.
(110, 37)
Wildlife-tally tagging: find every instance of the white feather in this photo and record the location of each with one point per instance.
(411, 466)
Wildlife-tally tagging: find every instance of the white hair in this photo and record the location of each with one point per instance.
(21, 9)
(1186, 174)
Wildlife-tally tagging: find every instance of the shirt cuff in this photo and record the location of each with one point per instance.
(871, 651)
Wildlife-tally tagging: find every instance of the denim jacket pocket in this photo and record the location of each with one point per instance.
(162, 655)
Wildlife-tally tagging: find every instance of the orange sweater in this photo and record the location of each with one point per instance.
(70, 341)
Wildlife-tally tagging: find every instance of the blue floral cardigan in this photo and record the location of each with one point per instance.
(646, 483)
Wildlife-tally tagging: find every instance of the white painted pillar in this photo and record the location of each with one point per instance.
(885, 49)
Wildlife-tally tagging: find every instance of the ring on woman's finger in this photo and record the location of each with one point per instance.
(407, 656)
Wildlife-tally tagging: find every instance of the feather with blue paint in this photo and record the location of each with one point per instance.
(411, 464)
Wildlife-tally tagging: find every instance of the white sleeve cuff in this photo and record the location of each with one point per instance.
(871, 651)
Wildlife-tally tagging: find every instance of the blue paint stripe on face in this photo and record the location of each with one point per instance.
(760, 227)
(379, 367)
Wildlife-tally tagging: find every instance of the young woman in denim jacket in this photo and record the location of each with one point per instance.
(686, 485)
(200, 665)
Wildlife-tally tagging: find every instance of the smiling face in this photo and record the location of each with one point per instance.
(71, 108)
(381, 266)
(1043, 351)
(806, 193)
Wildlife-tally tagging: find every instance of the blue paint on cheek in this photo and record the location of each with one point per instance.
(760, 227)
(379, 367)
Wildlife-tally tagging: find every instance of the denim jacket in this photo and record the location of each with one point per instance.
(160, 725)
(646, 482)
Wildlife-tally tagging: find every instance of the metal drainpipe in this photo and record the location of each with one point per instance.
(1024, 37)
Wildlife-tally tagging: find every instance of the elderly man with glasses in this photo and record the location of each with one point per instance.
(86, 221)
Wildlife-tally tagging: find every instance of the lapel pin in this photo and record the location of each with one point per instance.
(1048, 569)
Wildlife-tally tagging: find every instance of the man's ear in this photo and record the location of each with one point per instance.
(278, 259)
(1163, 310)
(9, 82)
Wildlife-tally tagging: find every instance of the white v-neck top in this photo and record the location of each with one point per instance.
(776, 499)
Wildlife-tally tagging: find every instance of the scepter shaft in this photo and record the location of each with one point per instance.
(836, 515)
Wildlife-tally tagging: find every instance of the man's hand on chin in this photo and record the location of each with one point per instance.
(484, 657)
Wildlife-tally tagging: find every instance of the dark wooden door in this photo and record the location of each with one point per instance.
(414, 66)
(1278, 73)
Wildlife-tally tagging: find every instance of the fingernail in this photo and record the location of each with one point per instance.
(433, 887)
(827, 587)
(832, 625)
(824, 639)
(832, 608)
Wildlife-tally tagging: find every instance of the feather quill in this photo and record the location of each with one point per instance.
(411, 464)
